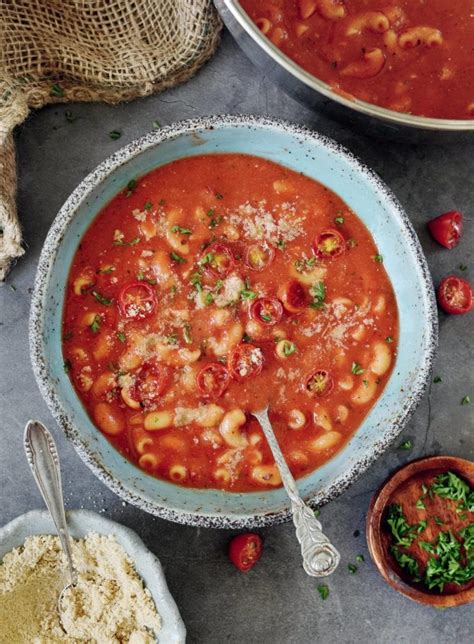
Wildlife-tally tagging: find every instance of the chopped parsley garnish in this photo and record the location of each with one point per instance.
(209, 299)
(219, 196)
(339, 220)
(68, 335)
(403, 533)
(107, 269)
(218, 285)
(57, 91)
(466, 400)
(406, 445)
(148, 205)
(449, 486)
(177, 258)
(357, 369)
(115, 134)
(173, 290)
(351, 243)
(246, 338)
(323, 590)
(95, 326)
(187, 334)
(352, 568)
(318, 293)
(405, 561)
(121, 337)
(437, 379)
(101, 299)
(195, 280)
(247, 294)
(378, 259)
(304, 264)
(181, 230)
(281, 244)
(67, 365)
(289, 348)
(389, 339)
(438, 521)
(208, 258)
(131, 187)
(132, 242)
(172, 338)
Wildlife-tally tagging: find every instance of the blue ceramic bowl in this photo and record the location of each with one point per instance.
(81, 523)
(300, 150)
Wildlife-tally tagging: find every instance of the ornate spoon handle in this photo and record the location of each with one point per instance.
(42, 457)
(320, 557)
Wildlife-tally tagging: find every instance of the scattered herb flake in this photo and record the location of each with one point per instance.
(172, 338)
(462, 267)
(289, 348)
(101, 299)
(69, 116)
(115, 134)
(360, 558)
(67, 365)
(389, 339)
(357, 369)
(317, 512)
(323, 590)
(121, 337)
(177, 258)
(378, 259)
(95, 326)
(209, 299)
(181, 230)
(247, 294)
(57, 91)
(246, 338)
(466, 400)
(148, 205)
(339, 221)
(406, 445)
(219, 196)
(156, 125)
(131, 187)
(281, 244)
(187, 334)
(437, 379)
(352, 568)
(318, 293)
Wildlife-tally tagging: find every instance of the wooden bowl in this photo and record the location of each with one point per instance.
(377, 543)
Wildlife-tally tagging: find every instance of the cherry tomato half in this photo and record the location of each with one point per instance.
(447, 229)
(217, 260)
(455, 295)
(137, 300)
(245, 361)
(294, 296)
(257, 257)
(213, 379)
(319, 383)
(266, 310)
(150, 383)
(329, 244)
(245, 550)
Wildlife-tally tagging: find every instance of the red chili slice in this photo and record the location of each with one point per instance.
(150, 383)
(245, 361)
(217, 260)
(245, 550)
(137, 300)
(294, 296)
(266, 310)
(447, 229)
(455, 295)
(257, 257)
(329, 244)
(213, 379)
(319, 383)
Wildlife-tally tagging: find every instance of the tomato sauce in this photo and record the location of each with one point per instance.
(211, 287)
(408, 56)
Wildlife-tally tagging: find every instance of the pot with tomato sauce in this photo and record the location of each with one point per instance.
(404, 67)
(185, 306)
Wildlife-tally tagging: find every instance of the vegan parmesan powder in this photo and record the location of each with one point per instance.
(109, 603)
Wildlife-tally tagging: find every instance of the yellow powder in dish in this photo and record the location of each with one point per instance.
(109, 603)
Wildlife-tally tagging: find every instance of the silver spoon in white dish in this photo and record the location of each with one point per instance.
(43, 459)
(320, 557)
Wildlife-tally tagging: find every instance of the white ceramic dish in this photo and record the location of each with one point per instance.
(81, 522)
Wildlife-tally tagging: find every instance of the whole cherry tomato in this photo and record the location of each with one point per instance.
(455, 295)
(245, 550)
(447, 229)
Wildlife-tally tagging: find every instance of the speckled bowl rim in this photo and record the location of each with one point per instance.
(47, 386)
(82, 522)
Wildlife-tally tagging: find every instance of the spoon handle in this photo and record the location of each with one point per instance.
(320, 557)
(42, 457)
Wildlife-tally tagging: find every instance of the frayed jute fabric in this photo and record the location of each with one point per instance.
(55, 51)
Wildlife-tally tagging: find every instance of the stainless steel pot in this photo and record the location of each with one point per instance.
(309, 90)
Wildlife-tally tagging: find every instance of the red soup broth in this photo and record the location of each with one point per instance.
(409, 56)
(211, 287)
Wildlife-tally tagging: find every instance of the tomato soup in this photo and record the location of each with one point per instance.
(214, 286)
(410, 56)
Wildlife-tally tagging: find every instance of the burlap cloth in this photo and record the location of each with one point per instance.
(54, 51)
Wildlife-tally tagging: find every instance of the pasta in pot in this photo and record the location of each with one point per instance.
(403, 55)
(185, 311)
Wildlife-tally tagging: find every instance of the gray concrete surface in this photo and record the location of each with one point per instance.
(276, 603)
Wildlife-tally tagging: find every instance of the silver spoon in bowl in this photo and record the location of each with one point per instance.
(43, 459)
(320, 557)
